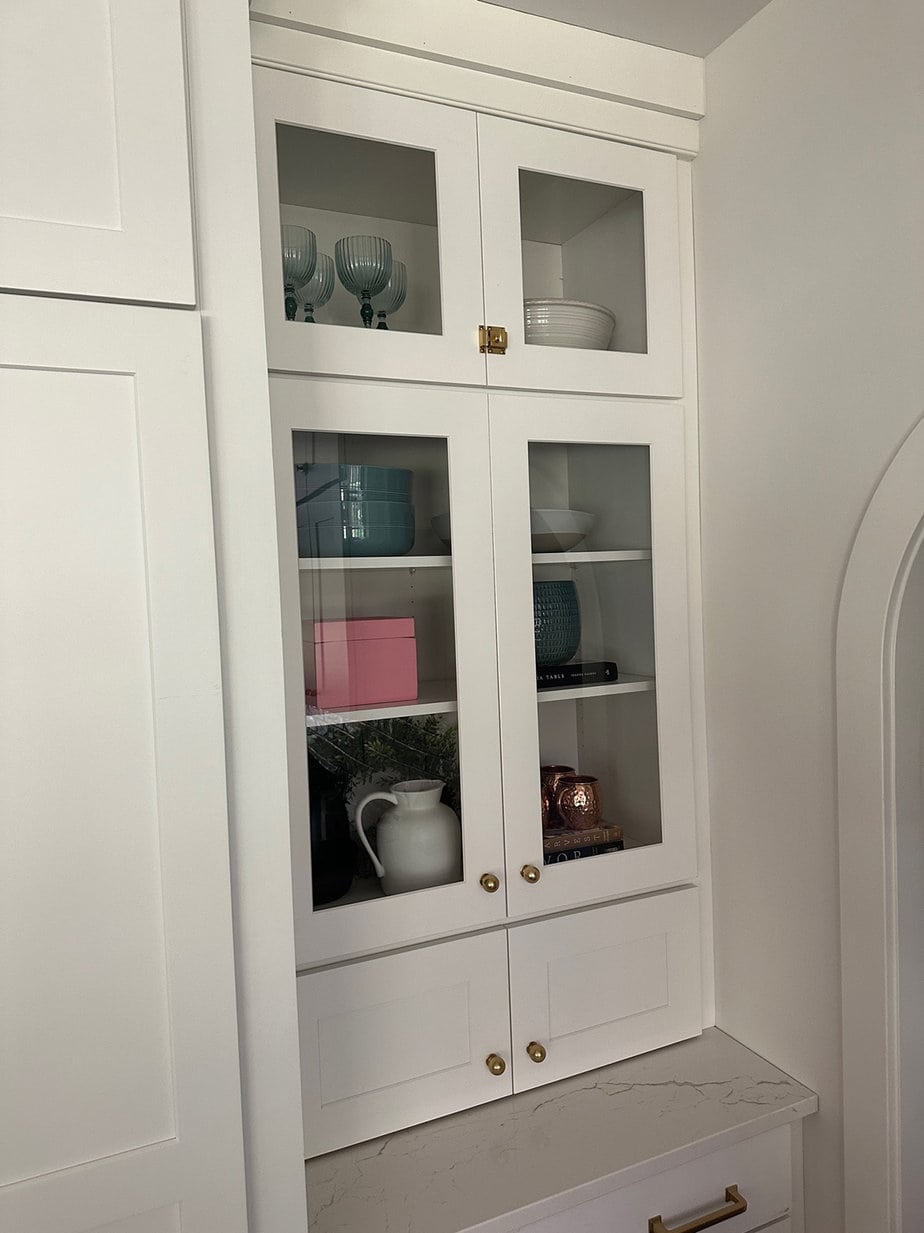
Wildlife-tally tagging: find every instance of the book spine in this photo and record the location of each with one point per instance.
(596, 673)
(573, 854)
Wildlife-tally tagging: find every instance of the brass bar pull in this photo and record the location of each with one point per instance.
(737, 1204)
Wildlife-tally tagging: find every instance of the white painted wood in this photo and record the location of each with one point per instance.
(401, 1039)
(230, 297)
(695, 584)
(433, 698)
(512, 44)
(602, 985)
(588, 558)
(459, 418)
(505, 147)
(94, 197)
(759, 1167)
(880, 565)
(276, 46)
(116, 897)
(452, 355)
(350, 563)
(517, 420)
(909, 883)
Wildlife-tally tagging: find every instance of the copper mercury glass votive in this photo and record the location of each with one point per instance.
(578, 802)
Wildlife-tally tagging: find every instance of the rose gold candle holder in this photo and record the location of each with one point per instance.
(578, 803)
(549, 778)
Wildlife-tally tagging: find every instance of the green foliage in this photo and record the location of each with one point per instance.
(383, 752)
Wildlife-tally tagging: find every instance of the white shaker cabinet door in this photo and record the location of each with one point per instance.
(119, 1078)
(343, 161)
(403, 1038)
(591, 225)
(94, 192)
(598, 986)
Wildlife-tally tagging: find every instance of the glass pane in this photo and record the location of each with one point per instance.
(594, 630)
(379, 664)
(584, 244)
(337, 187)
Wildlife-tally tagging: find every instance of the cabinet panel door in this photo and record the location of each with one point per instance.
(344, 161)
(94, 196)
(598, 986)
(614, 602)
(119, 1083)
(592, 223)
(374, 708)
(402, 1039)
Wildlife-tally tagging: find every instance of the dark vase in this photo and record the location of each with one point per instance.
(331, 846)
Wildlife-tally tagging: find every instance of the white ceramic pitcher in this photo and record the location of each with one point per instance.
(419, 838)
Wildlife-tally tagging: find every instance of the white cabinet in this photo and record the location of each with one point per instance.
(465, 573)
(484, 594)
(119, 1063)
(94, 196)
(485, 213)
(404, 1038)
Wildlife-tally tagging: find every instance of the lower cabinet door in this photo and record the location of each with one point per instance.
(597, 986)
(759, 1169)
(400, 1039)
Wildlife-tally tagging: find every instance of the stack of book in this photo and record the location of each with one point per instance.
(570, 676)
(561, 845)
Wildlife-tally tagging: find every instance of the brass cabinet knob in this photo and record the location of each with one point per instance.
(536, 1051)
(530, 873)
(495, 1063)
(490, 882)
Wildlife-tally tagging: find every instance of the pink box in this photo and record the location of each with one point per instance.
(363, 662)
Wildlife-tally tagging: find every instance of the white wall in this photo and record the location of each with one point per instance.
(810, 267)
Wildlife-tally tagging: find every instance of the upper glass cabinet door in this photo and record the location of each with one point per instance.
(387, 585)
(581, 261)
(593, 647)
(370, 231)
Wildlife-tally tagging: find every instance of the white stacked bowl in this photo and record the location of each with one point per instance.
(568, 323)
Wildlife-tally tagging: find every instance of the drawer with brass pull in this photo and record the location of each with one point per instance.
(741, 1189)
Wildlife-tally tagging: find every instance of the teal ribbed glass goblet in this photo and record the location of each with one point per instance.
(299, 255)
(391, 299)
(319, 288)
(364, 267)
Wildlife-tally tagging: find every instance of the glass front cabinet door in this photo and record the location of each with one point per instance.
(387, 585)
(370, 231)
(593, 648)
(581, 261)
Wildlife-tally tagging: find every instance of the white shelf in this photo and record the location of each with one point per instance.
(627, 684)
(433, 698)
(591, 558)
(340, 564)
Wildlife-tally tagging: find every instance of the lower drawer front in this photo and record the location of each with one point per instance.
(760, 1168)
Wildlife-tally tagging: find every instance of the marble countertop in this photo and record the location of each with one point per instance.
(482, 1164)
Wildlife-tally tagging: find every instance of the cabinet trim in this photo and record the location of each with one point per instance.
(316, 55)
(518, 45)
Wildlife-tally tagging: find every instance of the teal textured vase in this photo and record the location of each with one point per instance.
(557, 622)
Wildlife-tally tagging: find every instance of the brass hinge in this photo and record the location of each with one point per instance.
(493, 339)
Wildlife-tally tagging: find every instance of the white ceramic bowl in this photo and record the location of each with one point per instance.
(568, 323)
(552, 530)
(558, 530)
